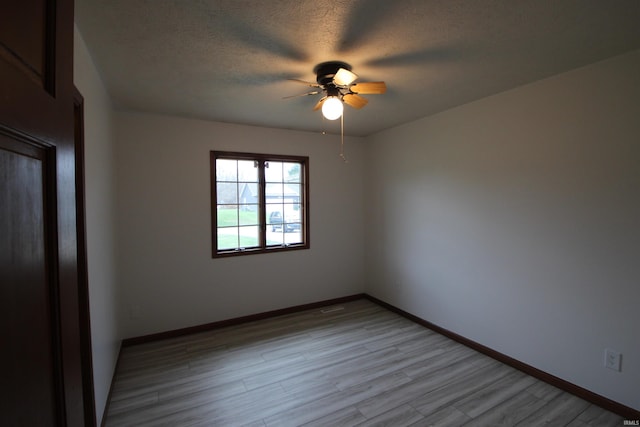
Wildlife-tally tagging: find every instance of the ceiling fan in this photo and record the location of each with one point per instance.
(336, 81)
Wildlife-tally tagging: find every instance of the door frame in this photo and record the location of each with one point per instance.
(83, 269)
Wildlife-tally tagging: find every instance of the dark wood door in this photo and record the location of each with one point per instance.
(41, 375)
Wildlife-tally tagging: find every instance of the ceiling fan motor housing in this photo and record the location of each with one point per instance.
(325, 72)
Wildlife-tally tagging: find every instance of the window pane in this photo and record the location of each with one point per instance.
(227, 215)
(249, 236)
(227, 238)
(294, 236)
(226, 170)
(275, 235)
(274, 193)
(294, 208)
(238, 237)
(274, 214)
(248, 193)
(247, 171)
(292, 172)
(226, 193)
(273, 173)
(292, 213)
(249, 215)
(292, 193)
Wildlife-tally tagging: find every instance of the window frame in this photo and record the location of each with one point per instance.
(262, 205)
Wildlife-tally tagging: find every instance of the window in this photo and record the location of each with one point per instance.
(259, 203)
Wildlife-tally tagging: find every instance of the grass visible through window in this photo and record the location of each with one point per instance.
(232, 241)
(229, 217)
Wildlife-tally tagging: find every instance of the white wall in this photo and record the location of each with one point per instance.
(100, 214)
(515, 221)
(169, 279)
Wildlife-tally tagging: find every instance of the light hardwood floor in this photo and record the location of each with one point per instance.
(359, 365)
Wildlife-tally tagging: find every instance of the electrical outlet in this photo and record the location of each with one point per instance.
(612, 359)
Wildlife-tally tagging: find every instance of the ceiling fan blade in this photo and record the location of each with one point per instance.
(355, 101)
(344, 77)
(315, 92)
(319, 104)
(369, 88)
(310, 84)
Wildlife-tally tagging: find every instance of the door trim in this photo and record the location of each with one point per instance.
(83, 269)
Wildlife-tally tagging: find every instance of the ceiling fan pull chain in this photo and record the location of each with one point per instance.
(342, 139)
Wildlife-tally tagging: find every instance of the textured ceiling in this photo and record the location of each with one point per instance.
(229, 60)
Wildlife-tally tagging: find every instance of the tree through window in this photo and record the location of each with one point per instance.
(259, 203)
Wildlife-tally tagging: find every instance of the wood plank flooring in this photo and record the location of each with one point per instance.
(359, 365)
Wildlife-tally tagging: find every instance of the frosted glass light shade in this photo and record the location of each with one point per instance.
(344, 77)
(332, 108)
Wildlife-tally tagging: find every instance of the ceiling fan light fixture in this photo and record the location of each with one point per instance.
(332, 108)
(344, 77)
